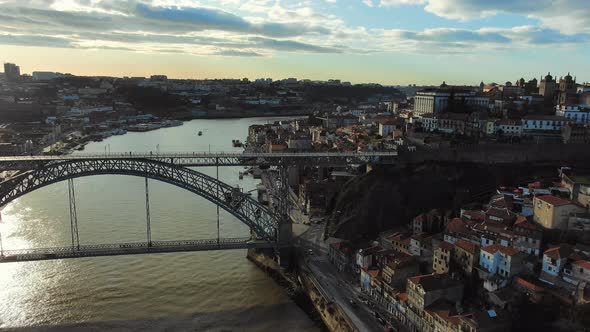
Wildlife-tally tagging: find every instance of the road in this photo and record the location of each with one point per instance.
(339, 286)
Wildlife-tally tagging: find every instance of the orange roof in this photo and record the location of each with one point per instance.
(508, 251)
(553, 200)
(446, 246)
(467, 246)
(402, 297)
(558, 252)
(373, 273)
(527, 284)
(583, 264)
(474, 215)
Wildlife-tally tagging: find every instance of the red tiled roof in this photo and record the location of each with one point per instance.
(402, 297)
(553, 200)
(558, 252)
(535, 185)
(583, 264)
(525, 223)
(373, 273)
(508, 251)
(474, 215)
(457, 225)
(527, 284)
(467, 246)
(446, 246)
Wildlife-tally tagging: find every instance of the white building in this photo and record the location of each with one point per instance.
(575, 113)
(45, 75)
(429, 122)
(437, 101)
(543, 123)
(386, 129)
(509, 128)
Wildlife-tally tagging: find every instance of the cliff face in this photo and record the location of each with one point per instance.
(389, 198)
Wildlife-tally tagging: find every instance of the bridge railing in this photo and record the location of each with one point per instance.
(118, 155)
(127, 245)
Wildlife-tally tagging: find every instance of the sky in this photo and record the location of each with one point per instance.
(384, 41)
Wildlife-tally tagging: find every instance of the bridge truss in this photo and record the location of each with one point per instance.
(268, 226)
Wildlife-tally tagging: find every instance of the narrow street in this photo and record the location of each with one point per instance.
(339, 285)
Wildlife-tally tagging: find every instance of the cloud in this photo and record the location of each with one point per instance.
(238, 53)
(35, 40)
(292, 46)
(567, 16)
(447, 40)
(253, 28)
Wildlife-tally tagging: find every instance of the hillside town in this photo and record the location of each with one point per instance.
(478, 269)
(485, 268)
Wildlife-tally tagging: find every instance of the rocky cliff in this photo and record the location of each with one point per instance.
(389, 198)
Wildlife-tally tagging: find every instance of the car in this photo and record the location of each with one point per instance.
(353, 303)
(310, 252)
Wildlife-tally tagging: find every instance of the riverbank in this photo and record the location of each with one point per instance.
(304, 291)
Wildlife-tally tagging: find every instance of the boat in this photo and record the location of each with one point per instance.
(241, 176)
(200, 133)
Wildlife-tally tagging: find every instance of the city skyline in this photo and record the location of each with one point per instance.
(387, 41)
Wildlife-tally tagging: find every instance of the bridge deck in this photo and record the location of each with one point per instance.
(130, 249)
(208, 159)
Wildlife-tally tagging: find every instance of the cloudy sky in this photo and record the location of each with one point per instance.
(385, 41)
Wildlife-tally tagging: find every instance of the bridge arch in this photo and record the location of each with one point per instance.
(256, 216)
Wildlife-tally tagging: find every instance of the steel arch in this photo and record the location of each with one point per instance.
(259, 218)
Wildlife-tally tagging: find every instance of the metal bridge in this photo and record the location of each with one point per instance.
(133, 248)
(267, 226)
(197, 159)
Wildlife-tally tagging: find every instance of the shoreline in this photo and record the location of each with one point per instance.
(81, 142)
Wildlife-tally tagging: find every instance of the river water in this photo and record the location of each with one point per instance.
(201, 291)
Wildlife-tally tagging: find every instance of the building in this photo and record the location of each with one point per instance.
(437, 101)
(553, 212)
(509, 128)
(421, 245)
(567, 91)
(554, 260)
(442, 258)
(537, 123)
(577, 113)
(426, 289)
(547, 87)
(466, 256)
(498, 264)
(11, 72)
(575, 133)
(528, 236)
(396, 273)
(340, 254)
(45, 75)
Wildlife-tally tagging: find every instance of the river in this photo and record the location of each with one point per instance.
(201, 291)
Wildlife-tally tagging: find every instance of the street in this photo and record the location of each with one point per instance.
(340, 286)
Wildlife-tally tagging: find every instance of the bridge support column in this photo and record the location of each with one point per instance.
(285, 227)
(73, 216)
(147, 213)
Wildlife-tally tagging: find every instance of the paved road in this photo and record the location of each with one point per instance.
(334, 283)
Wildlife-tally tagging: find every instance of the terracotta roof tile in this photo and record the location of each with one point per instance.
(508, 251)
(446, 246)
(583, 264)
(553, 200)
(467, 246)
(558, 252)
